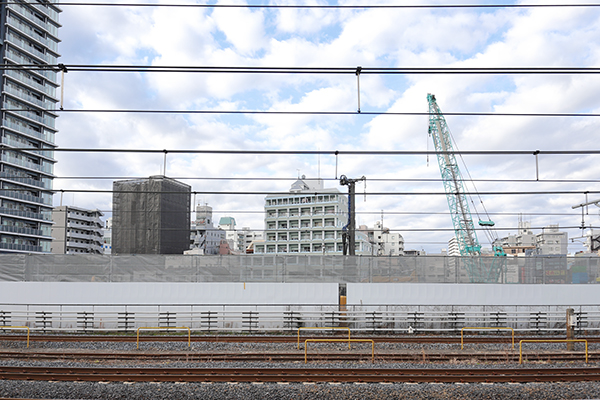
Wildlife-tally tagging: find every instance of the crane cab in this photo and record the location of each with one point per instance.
(486, 223)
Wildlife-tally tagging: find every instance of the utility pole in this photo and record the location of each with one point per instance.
(348, 235)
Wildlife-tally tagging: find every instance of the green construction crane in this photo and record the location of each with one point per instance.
(480, 269)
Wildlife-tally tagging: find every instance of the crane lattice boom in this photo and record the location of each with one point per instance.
(453, 182)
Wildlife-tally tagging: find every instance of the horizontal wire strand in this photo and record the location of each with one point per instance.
(315, 6)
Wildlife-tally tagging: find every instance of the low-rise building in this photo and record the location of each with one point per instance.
(384, 242)
(205, 237)
(76, 231)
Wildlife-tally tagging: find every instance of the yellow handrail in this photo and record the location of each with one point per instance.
(323, 329)
(484, 328)
(551, 341)
(174, 328)
(18, 327)
(338, 340)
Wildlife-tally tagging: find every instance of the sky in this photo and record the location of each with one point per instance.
(318, 38)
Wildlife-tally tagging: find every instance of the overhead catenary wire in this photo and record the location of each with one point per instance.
(317, 192)
(304, 70)
(309, 152)
(400, 230)
(318, 6)
(266, 179)
(265, 112)
(363, 212)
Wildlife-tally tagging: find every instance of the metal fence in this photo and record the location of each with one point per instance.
(288, 269)
(285, 318)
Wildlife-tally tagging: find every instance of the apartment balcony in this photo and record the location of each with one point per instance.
(21, 247)
(88, 247)
(26, 214)
(28, 164)
(50, 12)
(21, 230)
(48, 74)
(86, 236)
(86, 218)
(26, 29)
(24, 181)
(25, 197)
(26, 46)
(46, 105)
(47, 137)
(18, 144)
(21, 78)
(22, 113)
(30, 16)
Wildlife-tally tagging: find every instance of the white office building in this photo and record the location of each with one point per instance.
(307, 220)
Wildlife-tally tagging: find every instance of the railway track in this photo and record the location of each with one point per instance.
(357, 375)
(315, 356)
(468, 338)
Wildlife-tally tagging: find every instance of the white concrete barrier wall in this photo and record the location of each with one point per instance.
(424, 294)
(78, 293)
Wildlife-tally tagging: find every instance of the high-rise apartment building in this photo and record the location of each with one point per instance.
(151, 216)
(77, 231)
(28, 42)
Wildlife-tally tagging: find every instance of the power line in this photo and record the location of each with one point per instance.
(352, 113)
(321, 6)
(305, 70)
(312, 152)
(266, 179)
(377, 213)
(317, 192)
(339, 229)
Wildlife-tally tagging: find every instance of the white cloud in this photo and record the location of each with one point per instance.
(333, 38)
(243, 28)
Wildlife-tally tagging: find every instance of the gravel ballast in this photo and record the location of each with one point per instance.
(250, 391)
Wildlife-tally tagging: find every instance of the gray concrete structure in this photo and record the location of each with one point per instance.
(151, 216)
(28, 36)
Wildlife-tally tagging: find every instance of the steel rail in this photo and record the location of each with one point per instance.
(299, 374)
(275, 338)
(274, 357)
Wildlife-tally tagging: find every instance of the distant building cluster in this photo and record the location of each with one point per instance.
(549, 242)
(152, 216)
